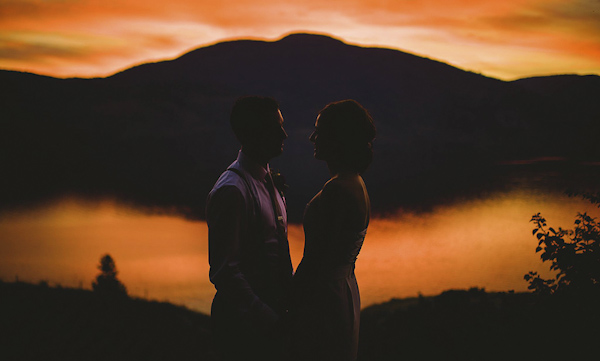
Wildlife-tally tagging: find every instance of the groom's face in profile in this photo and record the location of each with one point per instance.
(275, 135)
(268, 139)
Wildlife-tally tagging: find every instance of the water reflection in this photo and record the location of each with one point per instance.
(484, 243)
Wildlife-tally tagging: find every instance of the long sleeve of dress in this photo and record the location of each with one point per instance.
(227, 219)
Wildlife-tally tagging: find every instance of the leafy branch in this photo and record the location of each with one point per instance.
(573, 254)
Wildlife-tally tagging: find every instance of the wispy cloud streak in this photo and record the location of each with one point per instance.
(503, 38)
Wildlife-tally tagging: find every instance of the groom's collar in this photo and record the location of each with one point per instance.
(256, 170)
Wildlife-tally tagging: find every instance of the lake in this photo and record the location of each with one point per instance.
(476, 243)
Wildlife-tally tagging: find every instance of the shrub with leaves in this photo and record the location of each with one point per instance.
(574, 255)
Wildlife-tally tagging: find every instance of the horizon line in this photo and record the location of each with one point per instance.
(233, 39)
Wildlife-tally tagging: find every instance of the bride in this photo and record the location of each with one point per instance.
(325, 310)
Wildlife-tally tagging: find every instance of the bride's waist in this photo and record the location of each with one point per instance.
(312, 270)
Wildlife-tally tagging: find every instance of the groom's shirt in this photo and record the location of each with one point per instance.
(249, 260)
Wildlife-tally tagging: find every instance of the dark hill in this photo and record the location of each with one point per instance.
(158, 134)
(43, 323)
(476, 325)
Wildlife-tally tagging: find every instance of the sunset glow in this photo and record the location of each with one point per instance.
(508, 39)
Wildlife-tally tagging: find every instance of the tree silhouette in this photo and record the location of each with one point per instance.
(574, 254)
(106, 282)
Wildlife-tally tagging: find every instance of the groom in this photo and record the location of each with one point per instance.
(249, 255)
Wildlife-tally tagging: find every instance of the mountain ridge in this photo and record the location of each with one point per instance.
(158, 135)
(301, 37)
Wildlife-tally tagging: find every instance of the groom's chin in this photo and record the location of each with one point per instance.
(277, 151)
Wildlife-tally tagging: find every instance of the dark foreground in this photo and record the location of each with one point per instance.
(42, 323)
(476, 325)
(38, 322)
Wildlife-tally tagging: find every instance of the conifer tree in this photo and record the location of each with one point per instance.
(106, 282)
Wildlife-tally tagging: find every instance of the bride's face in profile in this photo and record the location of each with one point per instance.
(324, 145)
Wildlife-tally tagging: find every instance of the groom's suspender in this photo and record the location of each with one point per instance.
(256, 209)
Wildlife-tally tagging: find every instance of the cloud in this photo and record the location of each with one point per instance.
(478, 35)
(555, 28)
(506, 39)
(34, 46)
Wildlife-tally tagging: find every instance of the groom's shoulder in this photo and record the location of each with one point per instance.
(230, 179)
(226, 193)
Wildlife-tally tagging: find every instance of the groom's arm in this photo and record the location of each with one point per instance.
(227, 219)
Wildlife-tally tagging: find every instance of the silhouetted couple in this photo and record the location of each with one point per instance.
(262, 309)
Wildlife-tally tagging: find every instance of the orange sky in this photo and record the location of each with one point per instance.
(507, 39)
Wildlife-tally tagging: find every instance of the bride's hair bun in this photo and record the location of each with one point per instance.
(351, 126)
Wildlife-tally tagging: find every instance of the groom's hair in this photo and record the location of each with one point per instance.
(251, 114)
